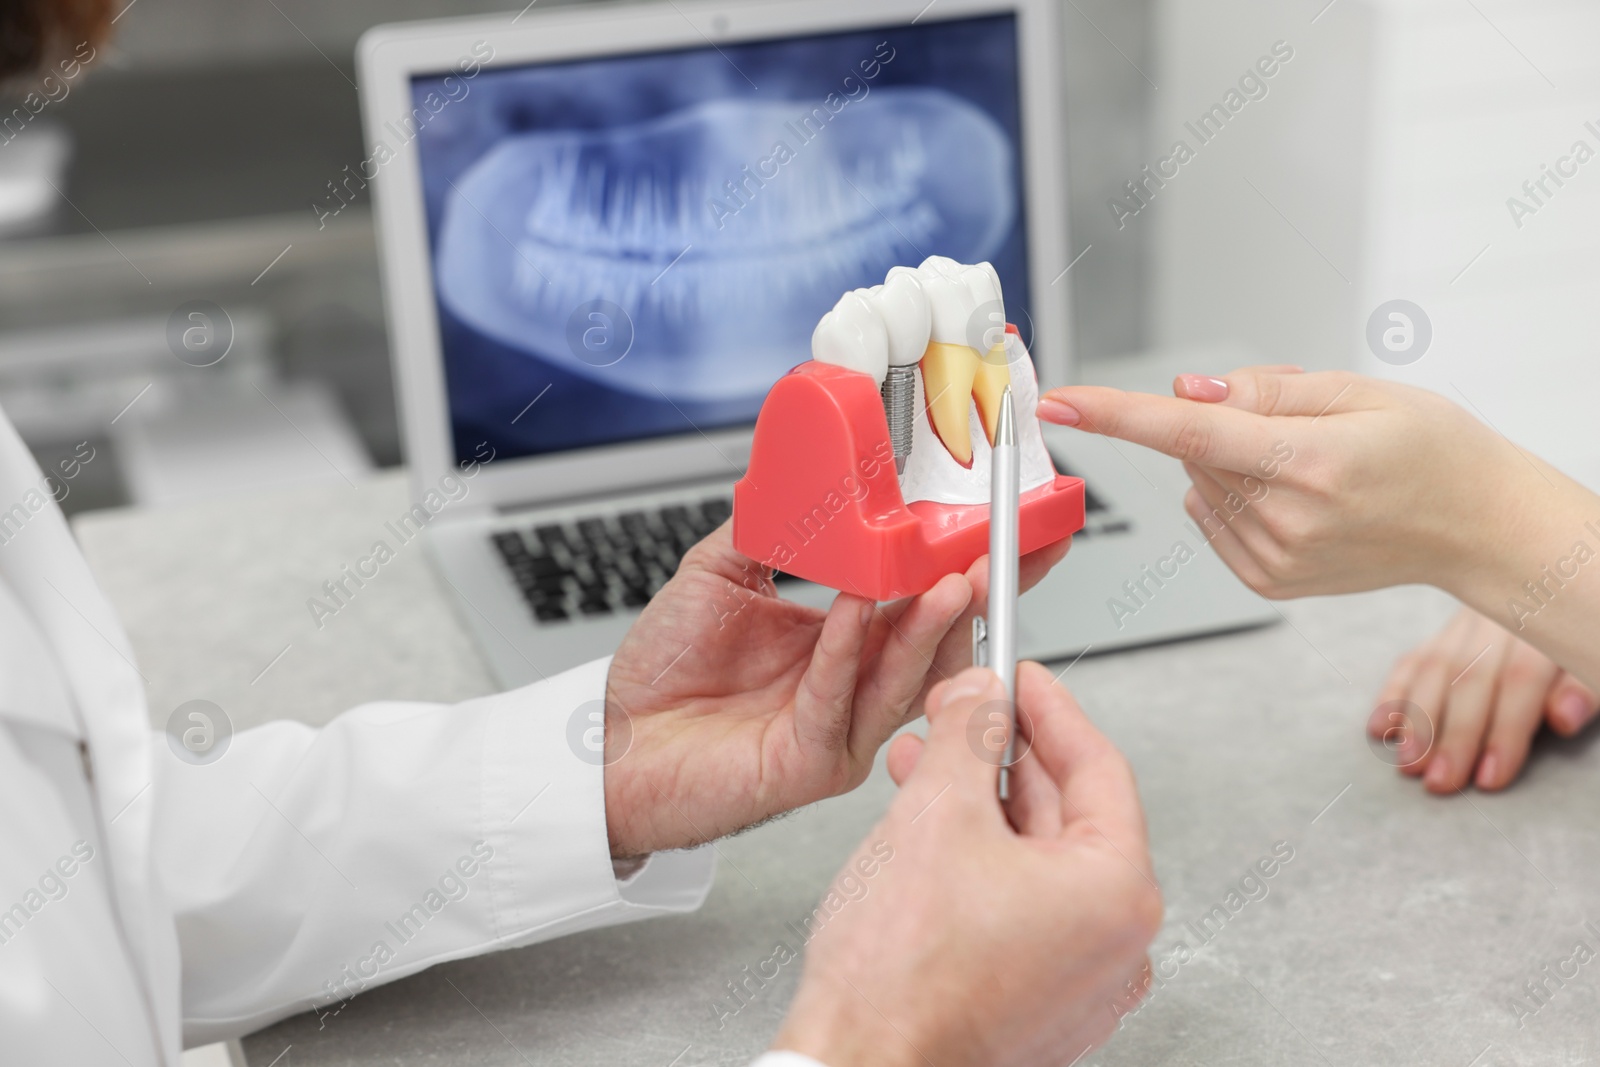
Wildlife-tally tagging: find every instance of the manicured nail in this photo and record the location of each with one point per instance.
(1488, 771)
(1059, 412)
(1438, 776)
(1572, 710)
(1199, 387)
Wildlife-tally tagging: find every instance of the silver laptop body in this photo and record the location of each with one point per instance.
(582, 344)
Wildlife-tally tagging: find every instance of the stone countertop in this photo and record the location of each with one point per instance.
(1404, 930)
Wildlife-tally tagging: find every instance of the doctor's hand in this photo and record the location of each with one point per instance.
(971, 932)
(1328, 483)
(1481, 695)
(726, 705)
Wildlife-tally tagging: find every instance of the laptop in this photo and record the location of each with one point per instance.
(606, 230)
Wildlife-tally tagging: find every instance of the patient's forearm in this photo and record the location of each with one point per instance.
(1534, 568)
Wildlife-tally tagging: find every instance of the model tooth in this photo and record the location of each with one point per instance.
(950, 365)
(950, 298)
(853, 336)
(946, 317)
(947, 380)
(906, 313)
(988, 329)
(994, 306)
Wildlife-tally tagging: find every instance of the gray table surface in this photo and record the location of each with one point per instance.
(1403, 931)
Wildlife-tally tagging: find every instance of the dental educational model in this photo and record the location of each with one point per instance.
(870, 468)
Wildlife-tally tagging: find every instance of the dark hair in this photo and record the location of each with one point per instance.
(35, 32)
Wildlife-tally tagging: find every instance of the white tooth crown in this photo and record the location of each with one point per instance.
(988, 325)
(853, 336)
(907, 315)
(950, 297)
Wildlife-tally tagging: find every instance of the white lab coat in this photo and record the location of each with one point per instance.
(147, 903)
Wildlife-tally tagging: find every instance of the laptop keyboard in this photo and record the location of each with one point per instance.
(1099, 519)
(608, 563)
(605, 563)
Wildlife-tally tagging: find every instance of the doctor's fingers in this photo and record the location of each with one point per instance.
(1097, 796)
(952, 777)
(904, 752)
(825, 698)
(1034, 801)
(893, 680)
(715, 554)
(1210, 434)
(955, 652)
(1034, 566)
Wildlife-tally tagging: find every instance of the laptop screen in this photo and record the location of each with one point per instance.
(638, 246)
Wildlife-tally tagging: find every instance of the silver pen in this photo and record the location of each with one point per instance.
(1000, 624)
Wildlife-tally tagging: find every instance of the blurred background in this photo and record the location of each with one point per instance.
(181, 171)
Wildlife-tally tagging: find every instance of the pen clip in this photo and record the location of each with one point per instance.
(980, 642)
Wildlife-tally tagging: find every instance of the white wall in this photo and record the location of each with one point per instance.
(1388, 149)
(1257, 240)
(1467, 115)
(201, 33)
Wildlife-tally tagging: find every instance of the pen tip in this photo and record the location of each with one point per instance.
(1006, 424)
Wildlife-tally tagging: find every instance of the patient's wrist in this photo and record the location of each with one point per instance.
(1524, 544)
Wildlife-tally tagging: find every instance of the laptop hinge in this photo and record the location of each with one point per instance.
(615, 495)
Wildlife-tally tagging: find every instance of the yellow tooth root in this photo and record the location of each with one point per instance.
(947, 380)
(989, 384)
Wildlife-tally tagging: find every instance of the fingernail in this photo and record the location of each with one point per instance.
(1059, 412)
(1488, 771)
(1572, 710)
(1199, 387)
(1438, 776)
(973, 682)
(866, 614)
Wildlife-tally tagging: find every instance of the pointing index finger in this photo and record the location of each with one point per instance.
(1268, 392)
(1208, 434)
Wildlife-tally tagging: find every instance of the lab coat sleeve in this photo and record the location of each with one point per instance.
(305, 865)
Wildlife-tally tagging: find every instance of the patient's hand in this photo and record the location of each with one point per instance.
(1328, 483)
(1332, 483)
(734, 705)
(1484, 694)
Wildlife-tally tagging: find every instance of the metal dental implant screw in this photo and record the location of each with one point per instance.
(899, 399)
